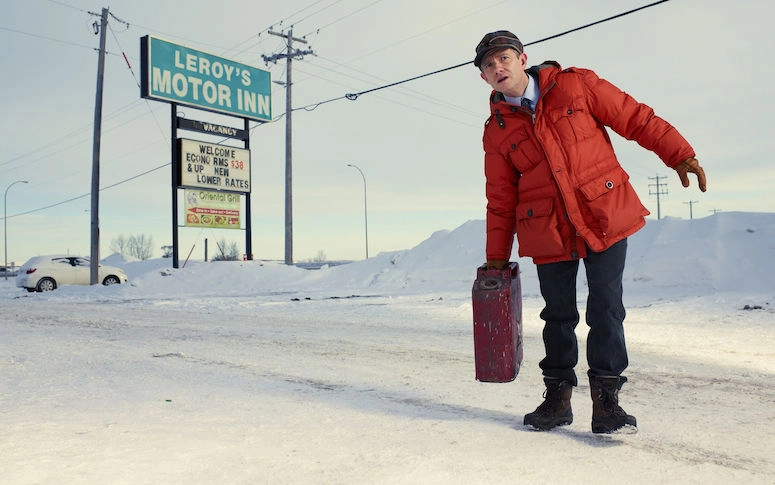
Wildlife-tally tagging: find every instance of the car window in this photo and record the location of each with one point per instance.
(81, 262)
(62, 260)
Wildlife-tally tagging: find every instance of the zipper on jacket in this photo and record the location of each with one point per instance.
(541, 97)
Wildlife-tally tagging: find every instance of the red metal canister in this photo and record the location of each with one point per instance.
(497, 308)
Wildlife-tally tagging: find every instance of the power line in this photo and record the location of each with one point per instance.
(280, 24)
(437, 102)
(429, 30)
(316, 12)
(69, 136)
(88, 194)
(355, 96)
(598, 22)
(317, 31)
(424, 32)
(313, 106)
(137, 81)
(63, 4)
(45, 37)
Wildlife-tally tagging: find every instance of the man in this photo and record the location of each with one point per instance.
(552, 178)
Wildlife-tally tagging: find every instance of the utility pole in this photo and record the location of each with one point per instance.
(289, 55)
(714, 211)
(691, 203)
(658, 191)
(95, 171)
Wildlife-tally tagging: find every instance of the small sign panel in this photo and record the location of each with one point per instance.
(218, 210)
(213, 129)
(214, 167)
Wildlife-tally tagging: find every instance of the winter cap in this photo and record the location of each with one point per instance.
(498, 40)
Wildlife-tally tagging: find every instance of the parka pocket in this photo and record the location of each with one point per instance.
(610, 204)
(574, 122)
(605, 183)
(538, 233)
(525, 151)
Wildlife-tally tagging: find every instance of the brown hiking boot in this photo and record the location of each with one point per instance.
(555, 410)
(607, 415)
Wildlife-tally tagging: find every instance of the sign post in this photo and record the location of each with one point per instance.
(218, 173)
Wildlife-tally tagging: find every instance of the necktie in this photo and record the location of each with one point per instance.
(527, 104)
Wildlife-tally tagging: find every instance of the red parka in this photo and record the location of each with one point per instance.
(552, 176)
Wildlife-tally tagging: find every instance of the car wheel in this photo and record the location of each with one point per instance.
(111, 280)
(30, 289)
(46, 284)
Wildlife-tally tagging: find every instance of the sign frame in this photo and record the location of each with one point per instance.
(178, 74)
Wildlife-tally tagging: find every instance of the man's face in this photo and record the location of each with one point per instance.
(505, 71)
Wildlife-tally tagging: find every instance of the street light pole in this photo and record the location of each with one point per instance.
(365, 210)
(5, 223)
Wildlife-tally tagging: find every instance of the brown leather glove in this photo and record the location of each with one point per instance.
(496, 264)
(693, 166)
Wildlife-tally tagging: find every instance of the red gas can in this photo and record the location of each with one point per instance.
(497, 306)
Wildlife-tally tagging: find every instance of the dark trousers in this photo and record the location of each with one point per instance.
(606, 350)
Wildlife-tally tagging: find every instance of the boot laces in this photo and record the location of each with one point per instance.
(545, 407)
(610, 401)
(552, 400)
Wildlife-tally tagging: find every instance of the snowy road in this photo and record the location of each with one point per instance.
(378, 389)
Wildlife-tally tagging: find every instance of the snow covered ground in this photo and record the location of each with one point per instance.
(250, 372)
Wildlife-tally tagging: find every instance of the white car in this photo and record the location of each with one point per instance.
(46, 273)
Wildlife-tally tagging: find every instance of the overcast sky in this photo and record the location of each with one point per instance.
(704, 65)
